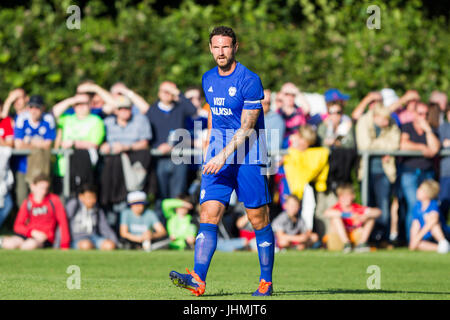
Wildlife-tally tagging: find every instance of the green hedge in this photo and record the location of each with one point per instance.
(328, 46)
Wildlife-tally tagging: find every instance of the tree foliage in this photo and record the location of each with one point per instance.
(327, 45)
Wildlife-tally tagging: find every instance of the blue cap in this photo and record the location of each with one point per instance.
(335, 94)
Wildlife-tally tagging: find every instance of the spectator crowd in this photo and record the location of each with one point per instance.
(122, 195)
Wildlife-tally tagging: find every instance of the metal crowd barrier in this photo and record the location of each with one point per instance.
(365, 156)
(66, 153)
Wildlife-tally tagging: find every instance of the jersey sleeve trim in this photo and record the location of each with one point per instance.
(254, 101)
(253, 105)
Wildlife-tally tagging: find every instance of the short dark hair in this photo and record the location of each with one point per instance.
(223, 31)
(340, 103)
(184, 197)
(87, 187)
(41, 177)
(191, 88)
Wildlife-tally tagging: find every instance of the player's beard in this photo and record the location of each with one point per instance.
(227, 65)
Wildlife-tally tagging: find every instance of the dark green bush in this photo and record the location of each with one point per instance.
(327, 46)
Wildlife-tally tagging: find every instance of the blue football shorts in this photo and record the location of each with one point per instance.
(249, 181)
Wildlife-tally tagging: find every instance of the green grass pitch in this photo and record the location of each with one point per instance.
(305, 275)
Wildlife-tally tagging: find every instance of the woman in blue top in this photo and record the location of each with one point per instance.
(428, 224)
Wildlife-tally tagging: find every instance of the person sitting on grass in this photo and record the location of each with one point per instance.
(347, 218)
(290, 229)
(89, 228)
(179, 227)
(37, 219)
(428, 223)
(137, 223)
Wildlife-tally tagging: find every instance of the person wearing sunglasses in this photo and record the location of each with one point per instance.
(417, 135)
(376, 130)
(336, 129)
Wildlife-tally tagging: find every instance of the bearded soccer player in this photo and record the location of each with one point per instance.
(234, 160)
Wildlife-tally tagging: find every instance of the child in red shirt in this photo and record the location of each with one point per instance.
(346, 216)
(6, 132)
(6, 140)
(37, 219)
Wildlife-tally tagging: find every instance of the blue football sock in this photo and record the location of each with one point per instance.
(266, 249)
(205, 245)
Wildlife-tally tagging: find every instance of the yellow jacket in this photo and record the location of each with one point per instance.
(302, 167)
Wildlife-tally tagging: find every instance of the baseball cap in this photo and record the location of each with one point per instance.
(36, 101)
(389, 96)
(123, 102)
(335, 94)
(136, 197)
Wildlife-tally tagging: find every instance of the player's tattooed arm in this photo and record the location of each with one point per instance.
(249, 118)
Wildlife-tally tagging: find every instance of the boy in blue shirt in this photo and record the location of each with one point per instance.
(428, 223)
(137, 222)
(33, 130)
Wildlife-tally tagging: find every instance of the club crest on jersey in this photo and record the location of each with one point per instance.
(232, 91)
(42, 130)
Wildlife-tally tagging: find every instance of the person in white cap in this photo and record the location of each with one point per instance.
(389, 96)
(370, 100)
(137, 224)
(376, 130)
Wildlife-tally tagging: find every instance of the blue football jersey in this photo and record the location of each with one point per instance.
(227, 96)
(45, 129)
(24, 129)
